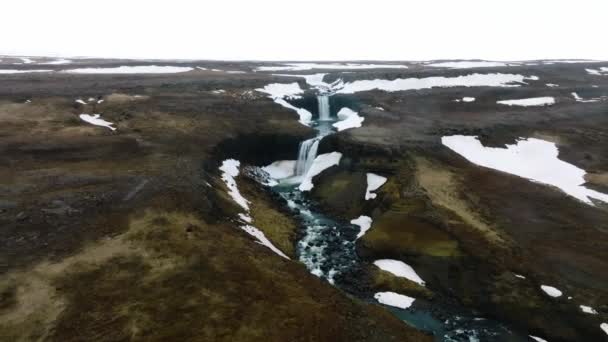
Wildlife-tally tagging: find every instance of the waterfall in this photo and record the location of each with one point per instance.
(306, 155)
(323, 101)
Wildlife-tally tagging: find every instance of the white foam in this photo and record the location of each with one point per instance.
(364, 223)
(399, 269)
(320, 164)
(533, 101)
(533, 159)
(142, 69)
(394, 299)
(402, 84)
(96, 120)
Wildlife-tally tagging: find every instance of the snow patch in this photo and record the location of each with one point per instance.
(230, 169)
(551, 291)
(96, 120)
(364, 222)
(402, 84)
(604, 326)
(334, 66)
(305, 115)
(588, 309)
(552, 85)
(80, 101)
(394, 299)
(281, 91)
(281, 169)
(14, 71)
(519, 276)
(469, 64)
(374, 182)
(143, 69)
(399, 269)
(536, 338)
(349, 119)
(533, 101)
(320, 164)
(532, 158)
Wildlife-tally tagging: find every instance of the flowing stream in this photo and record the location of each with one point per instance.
(328, 249)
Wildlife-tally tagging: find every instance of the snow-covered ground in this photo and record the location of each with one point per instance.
(348, 119)
(230, 170)
(96, 120)
(551, 291)
(143, 69)
(394, 299)
(399, 269)
(333, 66)
(281, 91)
(15, 71)
(472, 80)
(364, 223)
(469, 64)
(588, 309)
(320, 164)
(533, 101)
(374, 182)
(533, 159)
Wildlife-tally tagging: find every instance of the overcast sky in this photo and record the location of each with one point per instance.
(307, 29)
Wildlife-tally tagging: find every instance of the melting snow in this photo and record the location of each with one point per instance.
(364, 222)
(604, 326)
(96, 120)
(335, 66)
(533, 101)
(400, 269)
(320, 164)
(600, 72)
(533, 159)
(230, 169)
(588, 309)
(580, 99)
(519, 276)
(552, 85)
(401, 84)
(551, 291)
(374, 182)
(280, 91)
(281, 169)
(14, 71)
(305, 115)
(536, 338)
(262, 239)
(80, 101)
(394, 299)
(468, 64)
(58, 62)
(143, 69)
(349, 119)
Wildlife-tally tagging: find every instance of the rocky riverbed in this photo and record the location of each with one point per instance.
(134, 234)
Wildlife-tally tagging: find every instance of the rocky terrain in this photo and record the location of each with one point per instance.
(132, 233)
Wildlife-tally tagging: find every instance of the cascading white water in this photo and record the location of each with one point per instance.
(308, 148)
(324, 114)
(306, 155)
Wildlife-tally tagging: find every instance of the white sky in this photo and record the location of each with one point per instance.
(307, 29)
